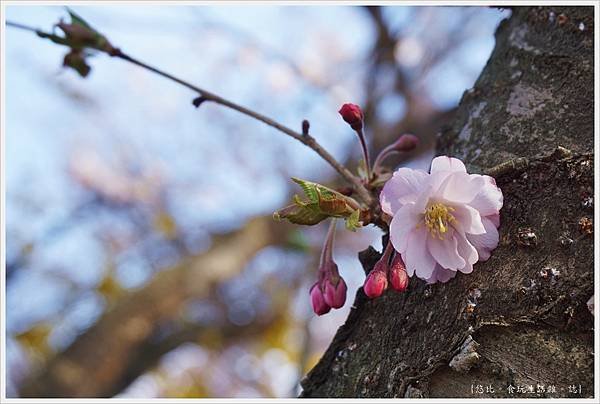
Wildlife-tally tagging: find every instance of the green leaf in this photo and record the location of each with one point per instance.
(309, 188)
(353, 221)
(305, 214)
(323, 202)
(79, 35)
(77, 20)
(330, 201)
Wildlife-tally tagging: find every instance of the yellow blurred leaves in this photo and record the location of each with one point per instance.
(110, 288)
(274, 335)
(211, 338)
(312, 361)
(191, 391)
(165, 224)
(35, 339)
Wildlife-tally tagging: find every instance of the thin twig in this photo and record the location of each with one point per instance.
(21, 26)
(307, 140)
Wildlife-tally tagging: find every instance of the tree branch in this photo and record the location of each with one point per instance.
(98, 362)
(307, 140)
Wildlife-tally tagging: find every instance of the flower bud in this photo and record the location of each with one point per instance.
(375, 284)
(405, 143)
(305, 127)
(398, 276)
(335, 294)
(318, 300)
(352, 114)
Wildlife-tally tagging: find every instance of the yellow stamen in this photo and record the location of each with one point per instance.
(438, 218)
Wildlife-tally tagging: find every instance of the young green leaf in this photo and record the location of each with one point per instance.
(80, 35)
(323, 202)
(327, 197)
(353, 221)
(77, 20)
(309, 188)
(305, 214)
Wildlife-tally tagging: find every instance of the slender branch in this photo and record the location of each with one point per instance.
(307, 140)
(21, 26)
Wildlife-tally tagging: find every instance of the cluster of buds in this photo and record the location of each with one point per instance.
(386, 274)
(330, 290)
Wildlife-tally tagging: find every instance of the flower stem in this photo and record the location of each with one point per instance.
(389, 249)
(327, 252)
(385, 153)
(365, 150)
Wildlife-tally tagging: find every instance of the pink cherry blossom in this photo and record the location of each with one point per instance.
(443, 221)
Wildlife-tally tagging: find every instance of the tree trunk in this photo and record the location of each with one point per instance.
(521, 318)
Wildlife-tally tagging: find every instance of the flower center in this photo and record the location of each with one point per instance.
(438, 218)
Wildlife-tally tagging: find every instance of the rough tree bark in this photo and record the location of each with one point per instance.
(520, 318)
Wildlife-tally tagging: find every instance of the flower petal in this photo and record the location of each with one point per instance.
(461, 187)
(489, 199)
(467, 251)
(495, 219)
(403, 187)
(485, 243)
(445, 163)
(445, 252)
(468, 218)
(403, 223)
(441, 275)
(417, 257)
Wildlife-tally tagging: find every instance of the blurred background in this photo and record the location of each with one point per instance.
(141, 256)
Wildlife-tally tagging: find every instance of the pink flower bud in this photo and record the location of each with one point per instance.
(335, 294)
(398, 275)
(375, 284)
(352, 114)
(405, 143)
(318, 300)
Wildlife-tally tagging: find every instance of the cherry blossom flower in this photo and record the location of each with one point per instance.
(443, 221)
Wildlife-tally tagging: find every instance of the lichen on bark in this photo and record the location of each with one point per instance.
(529, 120)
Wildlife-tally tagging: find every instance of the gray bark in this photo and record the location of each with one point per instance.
(520, 318)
